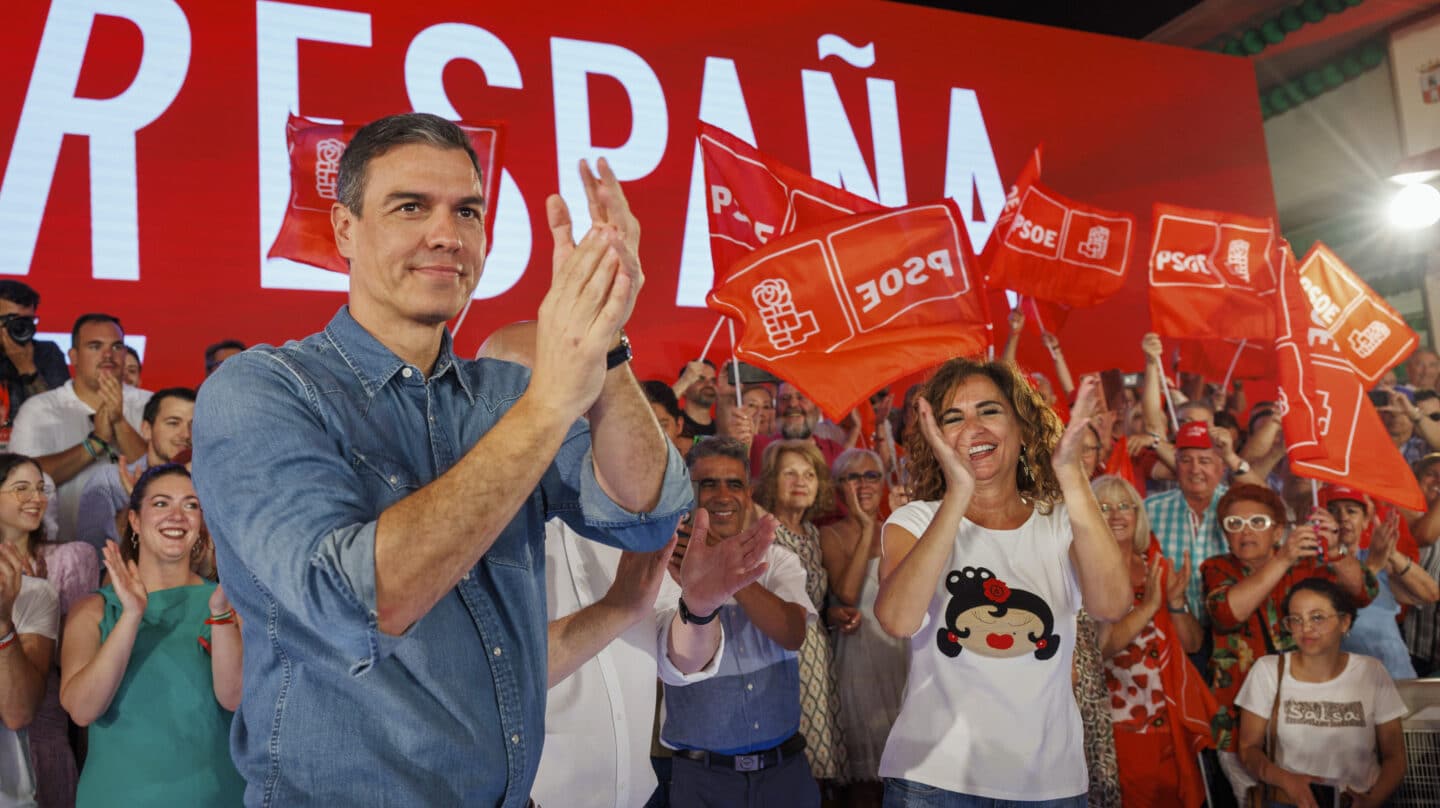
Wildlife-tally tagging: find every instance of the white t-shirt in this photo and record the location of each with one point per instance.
(989, 709)
(599, 719)
(37, 611)
(55, 420)
(1327, 729)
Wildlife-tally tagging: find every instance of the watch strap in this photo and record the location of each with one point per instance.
(687, 616)
(619, 355)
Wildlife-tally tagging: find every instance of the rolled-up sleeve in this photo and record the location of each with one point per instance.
(573, 493)
(289, 515)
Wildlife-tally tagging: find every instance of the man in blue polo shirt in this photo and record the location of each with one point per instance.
(736, 735)
(378, 505)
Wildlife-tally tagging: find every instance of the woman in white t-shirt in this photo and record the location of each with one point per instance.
(1339, 713)
(984, 572)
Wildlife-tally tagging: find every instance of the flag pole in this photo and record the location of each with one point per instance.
(734, 364)
(1230, 373)
(1314, 494)
(704, 352)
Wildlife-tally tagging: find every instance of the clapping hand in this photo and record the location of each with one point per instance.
(125, 578)
(1067, 451)
(954, 464)
(12, 566)
(638, 578)
(711, 572)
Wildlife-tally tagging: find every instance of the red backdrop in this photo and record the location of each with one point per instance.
(189, 86)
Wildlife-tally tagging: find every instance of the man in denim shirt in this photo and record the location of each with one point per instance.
(378, 505)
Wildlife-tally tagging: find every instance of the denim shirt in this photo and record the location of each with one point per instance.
(298, 450)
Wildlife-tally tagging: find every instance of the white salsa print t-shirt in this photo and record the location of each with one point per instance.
(988, 708)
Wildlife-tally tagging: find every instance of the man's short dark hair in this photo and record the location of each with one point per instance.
(658, 392)
(93, 317)
(20, 294)
(152, 407)
(687, 364)
(222, 345)
(719, 447)
(380, 136)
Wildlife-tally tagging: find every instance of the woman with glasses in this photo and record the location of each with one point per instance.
(1402, 581)
(870, 664)
(1339, 722)
(1159, 705)
(794, 485)
(983, 572)
(151, 663)
(71, 567)
(1245, 592)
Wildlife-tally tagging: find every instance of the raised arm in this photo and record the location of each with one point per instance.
(91, 671)
(226, 651)
(1012, 340)
(845, 562)
(25, 657)
(911, 566)
(1062, 370)
(1152, 402)
(1104, 581)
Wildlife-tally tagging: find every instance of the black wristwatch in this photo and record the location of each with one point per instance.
(687, 616)
(620, 354)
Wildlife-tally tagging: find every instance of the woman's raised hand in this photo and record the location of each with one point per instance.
(125, 578)
(959, 476)
(1087, 400)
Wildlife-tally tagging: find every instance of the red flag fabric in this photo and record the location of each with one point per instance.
(1296, 397)
(1344, 442)
(1048, 317)
(1061, 250)
(1028, 175)
(1221, 361)
(1211, 275)
(1362, 327)
(1120, 464)
(754, 198)
(315, 148)
(879, 294)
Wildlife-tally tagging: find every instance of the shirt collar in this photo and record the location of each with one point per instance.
(374, 364)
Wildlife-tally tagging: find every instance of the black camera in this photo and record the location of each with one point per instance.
(19, 327)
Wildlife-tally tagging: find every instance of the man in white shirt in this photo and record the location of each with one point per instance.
(29, 624)
(76, 430)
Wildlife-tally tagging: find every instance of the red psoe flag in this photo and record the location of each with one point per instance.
(1225, 360)
(752, 198)
(1059, 250)
(843, 308)
(315, 149)
(1363, 328)
(1211, 275)
(1301, 407)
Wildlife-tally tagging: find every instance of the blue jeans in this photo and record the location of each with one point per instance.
(910, 794)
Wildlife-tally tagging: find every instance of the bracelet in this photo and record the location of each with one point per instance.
(90, 450)
(1183, 609)
(8, 640)
(1401, 573)
(227, 616)
(687, 616)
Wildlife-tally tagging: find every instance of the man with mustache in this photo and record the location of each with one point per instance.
(80, 428)
(795, 419)
(736, 735)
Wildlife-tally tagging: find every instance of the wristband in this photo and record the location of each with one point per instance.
(8, 640)
(1181, 610)
(686, 616)
(90, 450)
(1411, 563)
(227, 616)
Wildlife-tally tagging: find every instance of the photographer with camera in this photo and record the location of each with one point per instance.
(27, 367)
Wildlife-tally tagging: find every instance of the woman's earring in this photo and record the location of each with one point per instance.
(1025, 472)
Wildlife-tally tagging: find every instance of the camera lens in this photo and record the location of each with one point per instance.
(21, 329)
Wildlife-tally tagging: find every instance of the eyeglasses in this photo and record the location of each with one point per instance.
(1118, 507)
(862, 476)
(24, 492)
(1257, 523)
(1295, 622)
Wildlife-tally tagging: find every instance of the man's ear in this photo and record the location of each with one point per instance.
(342, 220)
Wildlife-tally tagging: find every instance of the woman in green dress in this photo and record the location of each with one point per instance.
(151, 663)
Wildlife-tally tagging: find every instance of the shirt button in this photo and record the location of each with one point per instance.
(394, 479)
(514, 739)
(750, 686)
(497, 650)
(407, 373)
(757, 725)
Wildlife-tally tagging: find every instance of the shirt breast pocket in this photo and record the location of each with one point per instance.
(387, 480)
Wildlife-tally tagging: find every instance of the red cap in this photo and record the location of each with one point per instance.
(1194, 435)
(1333, 492)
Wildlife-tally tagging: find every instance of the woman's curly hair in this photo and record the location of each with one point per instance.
(1040, 430)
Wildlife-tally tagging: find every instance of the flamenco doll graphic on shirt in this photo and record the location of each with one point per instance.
(986, 617)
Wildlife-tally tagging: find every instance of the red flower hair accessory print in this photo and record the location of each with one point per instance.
(996, 591)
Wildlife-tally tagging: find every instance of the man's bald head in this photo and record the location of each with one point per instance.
(513, 343)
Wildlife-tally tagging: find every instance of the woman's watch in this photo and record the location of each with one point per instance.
(1243, 467)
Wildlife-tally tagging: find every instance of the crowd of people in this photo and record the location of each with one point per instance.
(497, 582)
